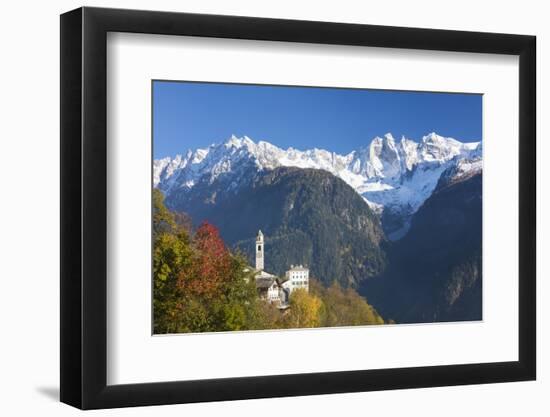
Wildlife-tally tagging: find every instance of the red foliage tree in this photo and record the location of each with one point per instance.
(211, 264)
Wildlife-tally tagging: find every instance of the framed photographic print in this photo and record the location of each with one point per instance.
(258, 207)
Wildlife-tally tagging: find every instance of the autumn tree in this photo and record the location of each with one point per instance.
(345, 307)
(305, 310)
(211, 264)
(199, 285)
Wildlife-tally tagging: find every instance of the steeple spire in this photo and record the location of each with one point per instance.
(260, 251)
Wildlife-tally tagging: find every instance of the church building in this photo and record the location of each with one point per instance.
(275, 289)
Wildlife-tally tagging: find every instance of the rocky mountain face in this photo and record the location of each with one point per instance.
(308, 216)
(435, 272)
(393, 177)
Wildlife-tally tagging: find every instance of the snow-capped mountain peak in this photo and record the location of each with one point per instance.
(389, 174)
(238, 143)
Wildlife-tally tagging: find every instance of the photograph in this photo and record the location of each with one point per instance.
(290, 207)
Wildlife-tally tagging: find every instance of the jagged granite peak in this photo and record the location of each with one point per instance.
(385, 157)
(393, 177)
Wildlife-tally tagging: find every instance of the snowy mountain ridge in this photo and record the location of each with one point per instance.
(394, 177)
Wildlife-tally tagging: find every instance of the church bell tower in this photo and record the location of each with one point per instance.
(260, 251)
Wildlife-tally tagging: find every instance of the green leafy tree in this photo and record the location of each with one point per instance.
(171, 256)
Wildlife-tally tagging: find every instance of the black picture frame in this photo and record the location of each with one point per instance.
(84, 207)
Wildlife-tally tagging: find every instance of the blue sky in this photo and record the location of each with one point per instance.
(193, 115)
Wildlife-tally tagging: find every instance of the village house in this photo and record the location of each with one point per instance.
(277, 290)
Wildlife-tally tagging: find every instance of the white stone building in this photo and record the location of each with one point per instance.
(272, 288)
(297, 277)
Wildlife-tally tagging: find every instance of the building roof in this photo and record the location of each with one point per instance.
(264, 282)
(265, 279)
(298, 268)
(263, 274)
